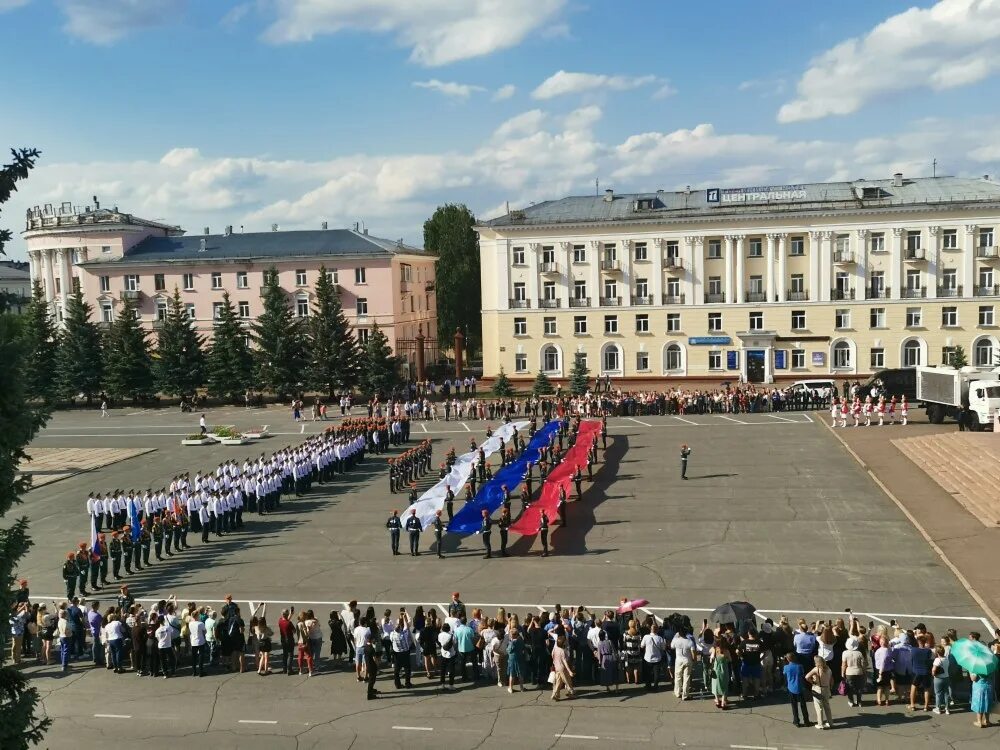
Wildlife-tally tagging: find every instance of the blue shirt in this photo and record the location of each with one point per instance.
(466, 639)
(793, 678)
(805, 643)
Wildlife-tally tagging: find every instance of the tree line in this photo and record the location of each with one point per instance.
(277, 353)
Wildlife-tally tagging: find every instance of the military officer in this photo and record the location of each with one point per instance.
(413, 493)
(685, 452)
(145, 542)
(128, 548)
(578, 481)
(562, 505)
(69, 575)
(413, 526)
(486, 529)
(438, 532)
(449, 503)
(157, 539)
(82, 568)
(103, 543)
(543, 530)
(504, 525)
(394, 525)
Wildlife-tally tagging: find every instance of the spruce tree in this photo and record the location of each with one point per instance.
(80, 366)
(180, 360)
(379, 369)
(228, 363)
(128, 367)
(40, 347)
(20, 723)
(542, 385)
(332, 353)
(278, 340)
(959, 359)
(579, 376)
(502, 387)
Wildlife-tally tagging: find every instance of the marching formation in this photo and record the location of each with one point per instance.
(868, 410)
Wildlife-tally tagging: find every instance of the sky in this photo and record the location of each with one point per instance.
(294, 112)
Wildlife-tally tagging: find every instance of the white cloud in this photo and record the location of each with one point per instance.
(764, 86)
(449, 88)
(107, 21)
(948, 45)
(11, 4)
(562, 82)
(235, 15)
(664, 91)
(437, 32)
(525, 123)
(505, 92)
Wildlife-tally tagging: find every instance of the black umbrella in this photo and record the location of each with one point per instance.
(733, 612)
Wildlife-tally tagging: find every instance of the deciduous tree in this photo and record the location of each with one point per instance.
(449, 235)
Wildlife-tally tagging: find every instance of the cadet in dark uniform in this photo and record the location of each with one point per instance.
(504, 524)
(128, 548)
(486, 529)
(145, 542)
(82, 568)
(543, 530)
(438, 532)
(69, 575)
(578, 481)
(449, 504)
(392, 476)
(158, 539)
(115, 550)
(95, 568)
(685, 452)
(604, 432)
(562, 505)
(413, 494)
(414, 527)
(394, 525)
(103, 545)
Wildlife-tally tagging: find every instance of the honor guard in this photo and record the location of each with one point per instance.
(561, 508)
(543, 530)
(449, 503)
(127, 548)
(69, 575)
(115, 551)
(157, 540)
(685, 452)
(505, 497)
(145, 542)
(392, 476)
(82, 568)
(413, 493)
(395, 526)
(486, 529)
(578, 481)
(413, 526)
(438, 532)
(504, 525)
(95, 568)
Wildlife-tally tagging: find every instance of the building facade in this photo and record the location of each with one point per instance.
(114, 256)
(761, 284)
(15, 286)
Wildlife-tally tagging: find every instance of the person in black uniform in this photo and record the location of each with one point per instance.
(413, 493)
(506, 497)
(115, 551)
(604, 432)
(371, 666)
(392, 475)
(562, 506)
(69, 575)
(394, 525)
(578, 481)
(128, 548)
(685, 452)
(414, 527)
(449, 503)
(504, 525)
(543, 530)
(82, 568)
(438, 532)
(528, 479)
(486, 529)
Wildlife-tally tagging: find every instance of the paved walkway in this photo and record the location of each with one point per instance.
(47, 465)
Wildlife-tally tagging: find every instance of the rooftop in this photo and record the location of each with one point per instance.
(717, 202)
(66, 215)
(9, 273)
(262, 246)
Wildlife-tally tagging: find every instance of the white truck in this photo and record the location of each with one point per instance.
(945, 391)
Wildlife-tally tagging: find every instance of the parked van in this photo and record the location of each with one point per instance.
(812, 385)
(898, 382)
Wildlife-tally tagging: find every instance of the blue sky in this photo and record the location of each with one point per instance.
(299, 111)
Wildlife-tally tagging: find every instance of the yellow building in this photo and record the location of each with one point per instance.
(761, 283)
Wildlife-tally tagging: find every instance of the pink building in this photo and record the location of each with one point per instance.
(116, 256)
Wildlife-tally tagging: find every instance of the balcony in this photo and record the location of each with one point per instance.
(643, 300)
(843, 256)
(756, 297)
(548, 267)
(579, 302)
(404, 285)
(104, 325)
(987, 291)
(988, 252)
(913, 293)
(837, 294)
(611, 301)
(913, 253)
(549, 303)
(158, 323)
(883, 293)
(673, 299)
(949, 291)
(130, 294)
(519, 304)
(797, 296)
(672, 261)
(609, 264)
(711, 297)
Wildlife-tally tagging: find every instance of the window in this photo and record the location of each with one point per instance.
(580, 325)
(520, 362)
(842, 318)
(797, 246)
(798, 359)
(216, 280)
(672, 358)
(913, 241)
(161, 309)
(673, 249)
(268, 275)
(548, 254)
(641, 288)
(877, 242)
(877, 317)
(756, 321)
(364, 335)
(911, 353)
(673, 322)
(983, 353)
(756, 284)
(949, 280)
(798, 320)
(755, 250)
(610, 289)
(949, 239)
(302, 307)
(985, 278)
(105, 283)
(877, 283)
(842, 244)
(986, 237)
(549, 290)
(580, 290)
(640, 251)
(715, 360)
(241, 280)
(798, 283)
(520, 326)
(715, 321)
(949, 317)
(612, 360)
(877, 358)
(520, 292)
(550, 359)
(715, 248)
(359, 276)
(842, 355)
(715, 285)
(216, 310)
(332, 276)
(913, 317)
(610, 252)
(188, 282)
(517, 256)
(642, 361)
(361, 306)
(107, 312)
(579, 253)
(248, 341)
(610, 325)
(189, 309)
(674, 288)
(244, 309)
(986, 315)
(549, 326)
(159, 283)
(948, 355)
(406, 272)
(913, 280)
(105, 249)
(132, 282)
(642, 323)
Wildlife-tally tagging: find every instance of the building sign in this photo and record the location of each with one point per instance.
(732, 360)
(779, 359)
(761, 194)
(709, 340)
(819, 359)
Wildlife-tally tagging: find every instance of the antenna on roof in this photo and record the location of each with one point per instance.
(934, 168)
(274, 227)
(597, 186)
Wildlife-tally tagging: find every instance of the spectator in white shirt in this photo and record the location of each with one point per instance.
(114, 636)
(198, 636)
(684, 657)
(652, 646)
(165, 645)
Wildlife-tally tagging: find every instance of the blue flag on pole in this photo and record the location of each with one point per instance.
(95, 544)
(133, 519)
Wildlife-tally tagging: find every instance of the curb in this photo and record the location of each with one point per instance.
(145, 452)
(990, 614)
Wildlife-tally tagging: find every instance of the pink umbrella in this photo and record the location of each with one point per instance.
(631, 606)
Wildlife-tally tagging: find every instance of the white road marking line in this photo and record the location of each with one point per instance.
(878, 619)
(628, 739)
(134, 413)
(465, 426)
(256, 721)
(687, 421)
(753, 747)
(577, 736)
(808, 418)
(422, 426)
(783, 419)
(737, 421)
(112, 716)
(415, 729)
(637, 421)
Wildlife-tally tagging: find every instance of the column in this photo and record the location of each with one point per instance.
(697, 245)
(825, 266)
(567, 272)
(861, 266)
(625, 263)
(50, 279)
(815, 244)
(502, 259)
(933, 260)
(84, 254)
(34, 263)
(740, 272)
(728, 288)
(779, 289)
(656, 288)
(896, 279)
(769, 268)
(65, 256)
(594, 285)
(532, 291)
(969, 261)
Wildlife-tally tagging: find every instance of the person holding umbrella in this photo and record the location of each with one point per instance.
(975, 657)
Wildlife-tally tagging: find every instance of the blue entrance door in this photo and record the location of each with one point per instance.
(755, 366)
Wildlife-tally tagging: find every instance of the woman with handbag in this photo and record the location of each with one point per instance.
(607, 661)
(562, 675)
(821, 678)
(853, 667)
